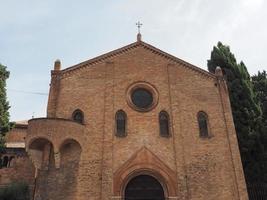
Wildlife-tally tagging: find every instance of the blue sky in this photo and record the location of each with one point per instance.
(34, 33)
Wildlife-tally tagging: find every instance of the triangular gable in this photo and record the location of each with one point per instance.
(129, 47)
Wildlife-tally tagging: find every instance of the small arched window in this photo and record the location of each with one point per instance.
(202, 118)
(164, 124)
(5, 161)
(121, 119)
(11, 161)
(77, 116)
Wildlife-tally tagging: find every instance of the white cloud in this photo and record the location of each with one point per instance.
(34, 33)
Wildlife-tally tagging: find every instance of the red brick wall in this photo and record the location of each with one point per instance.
(205, 169)
(22, 170)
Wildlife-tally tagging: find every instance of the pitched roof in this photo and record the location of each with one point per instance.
(129, 47)
(21, 124)
(15, 145)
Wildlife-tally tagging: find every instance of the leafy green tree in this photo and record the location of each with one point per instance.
(246, 110)
(4, 106)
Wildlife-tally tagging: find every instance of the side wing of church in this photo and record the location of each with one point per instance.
(136, 123)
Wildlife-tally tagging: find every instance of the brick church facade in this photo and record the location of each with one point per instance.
(135, 123)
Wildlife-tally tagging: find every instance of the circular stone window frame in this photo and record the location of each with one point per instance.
(142, 85)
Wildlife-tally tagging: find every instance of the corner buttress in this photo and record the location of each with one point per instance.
(54, 90)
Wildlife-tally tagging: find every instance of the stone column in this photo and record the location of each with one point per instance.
(46, 156)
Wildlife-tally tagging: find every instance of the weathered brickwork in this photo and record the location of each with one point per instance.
(19, 167)
(87, 161)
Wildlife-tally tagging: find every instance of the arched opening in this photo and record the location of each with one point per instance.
(144, 187)
(5, 161)
(42, 153)
(11, 161)
(70, 153)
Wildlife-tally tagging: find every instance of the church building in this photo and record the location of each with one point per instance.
(135, 124)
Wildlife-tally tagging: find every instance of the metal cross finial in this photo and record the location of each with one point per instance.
(138, 24)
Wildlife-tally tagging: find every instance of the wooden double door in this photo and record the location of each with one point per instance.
(144, 187)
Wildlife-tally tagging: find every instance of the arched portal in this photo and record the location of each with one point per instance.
(144, 187)
(42, 153)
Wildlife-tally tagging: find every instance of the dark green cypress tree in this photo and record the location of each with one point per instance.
(260, 87)
(245, 108)
(4, 106)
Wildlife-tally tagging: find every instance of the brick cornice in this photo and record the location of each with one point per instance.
(103, 58)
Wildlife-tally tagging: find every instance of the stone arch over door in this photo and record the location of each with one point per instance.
(145, 162)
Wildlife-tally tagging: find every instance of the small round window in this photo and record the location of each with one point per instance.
(142, 98)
